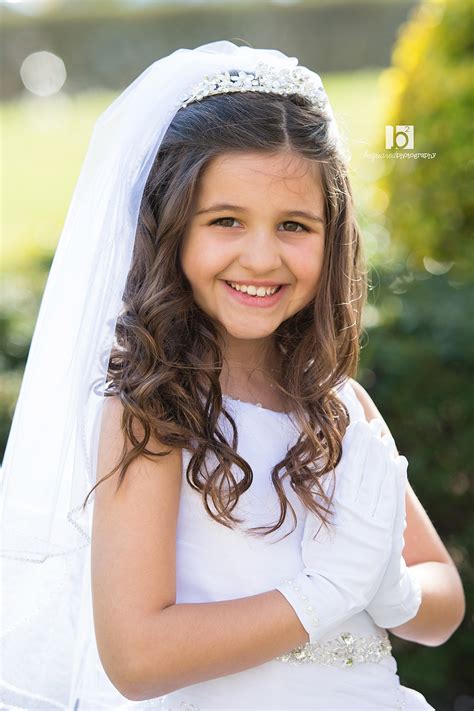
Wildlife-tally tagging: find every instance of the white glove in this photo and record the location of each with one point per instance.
(344, 567)
(398, 598)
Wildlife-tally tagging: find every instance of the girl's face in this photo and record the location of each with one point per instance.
(246, 229)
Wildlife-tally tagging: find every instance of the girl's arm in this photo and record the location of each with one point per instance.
(443, 603)
(193, 642)
(149, 645)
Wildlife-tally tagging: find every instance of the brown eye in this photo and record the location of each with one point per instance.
(221, 219)
(298, 224)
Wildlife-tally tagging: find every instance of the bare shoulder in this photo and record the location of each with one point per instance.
(133, 548)
(150, 473)
(370, 408)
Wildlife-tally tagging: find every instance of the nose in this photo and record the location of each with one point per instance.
(260, 253)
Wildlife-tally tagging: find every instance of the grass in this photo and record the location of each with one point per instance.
(45, 141)
(44, 144)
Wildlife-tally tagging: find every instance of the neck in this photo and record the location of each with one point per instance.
(245, 356)
(249, 364)
(249, 377)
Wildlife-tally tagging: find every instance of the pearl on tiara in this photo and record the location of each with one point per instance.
(265, 79)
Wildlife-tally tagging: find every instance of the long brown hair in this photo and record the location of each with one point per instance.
(168, 355)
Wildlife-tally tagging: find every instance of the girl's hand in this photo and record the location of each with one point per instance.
(345, 566)
(398, 598)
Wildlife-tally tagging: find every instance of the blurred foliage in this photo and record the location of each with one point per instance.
(418, 361)
(20, 300)
(107, 46)
(431, 86)
(42, 164)
(417, 365)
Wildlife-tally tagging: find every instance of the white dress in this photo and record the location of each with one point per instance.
(216, 563)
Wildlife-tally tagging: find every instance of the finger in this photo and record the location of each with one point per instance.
(385, 438)
(350, 471)
(374, 472)
(378, 427)
(387, 503)
(401, 466)
(398, 472)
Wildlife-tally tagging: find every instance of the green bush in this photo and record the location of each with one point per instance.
(21, 297)
(430, 86)
(418, 367)
(418, 360)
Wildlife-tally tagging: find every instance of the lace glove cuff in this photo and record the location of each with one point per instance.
(302, 591)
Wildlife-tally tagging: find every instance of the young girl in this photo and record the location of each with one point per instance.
(249, 501)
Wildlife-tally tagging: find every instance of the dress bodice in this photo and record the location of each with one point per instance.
(219, 563)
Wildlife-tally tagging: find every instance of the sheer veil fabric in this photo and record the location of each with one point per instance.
(48, 644)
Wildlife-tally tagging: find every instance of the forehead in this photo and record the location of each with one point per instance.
(279, 176)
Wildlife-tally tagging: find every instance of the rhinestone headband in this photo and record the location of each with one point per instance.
(265, 79)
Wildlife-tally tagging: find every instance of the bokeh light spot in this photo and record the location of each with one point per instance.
(43, 73)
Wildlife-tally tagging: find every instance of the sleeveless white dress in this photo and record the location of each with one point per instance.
(216, 563)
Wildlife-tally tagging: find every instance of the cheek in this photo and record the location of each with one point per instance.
(191, 262)
(202, 262)
(199, 271)
(307, 266)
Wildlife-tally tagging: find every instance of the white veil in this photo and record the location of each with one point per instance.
(49, 655)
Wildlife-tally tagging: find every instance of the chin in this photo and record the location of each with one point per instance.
(246, 333)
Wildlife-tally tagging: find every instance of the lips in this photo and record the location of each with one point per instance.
(276, 287)
(253, 283)
(244, 299)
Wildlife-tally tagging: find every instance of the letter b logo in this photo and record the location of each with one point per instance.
(401, 137)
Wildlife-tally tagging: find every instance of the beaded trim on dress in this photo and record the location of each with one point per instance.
(343, 651)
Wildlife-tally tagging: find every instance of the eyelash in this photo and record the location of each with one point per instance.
(292, 222)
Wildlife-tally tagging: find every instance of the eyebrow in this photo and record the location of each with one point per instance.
(226, 206)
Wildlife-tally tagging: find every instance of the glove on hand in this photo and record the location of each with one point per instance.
(398, 598)
(344, 568)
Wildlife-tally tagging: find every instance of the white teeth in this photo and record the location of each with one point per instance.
(254, 290)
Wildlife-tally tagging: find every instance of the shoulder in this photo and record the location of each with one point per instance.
(370, 408)
(112, 427)
(365, 400)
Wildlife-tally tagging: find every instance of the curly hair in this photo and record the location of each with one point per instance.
(168, 353)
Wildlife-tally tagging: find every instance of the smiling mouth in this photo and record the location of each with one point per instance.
(255, 291)
(257, 301)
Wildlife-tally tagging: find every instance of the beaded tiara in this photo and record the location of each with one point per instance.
(265, 79)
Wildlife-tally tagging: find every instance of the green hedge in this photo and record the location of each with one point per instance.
(21, 297)
(417, 364)
(430, 86)
(418, 361)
